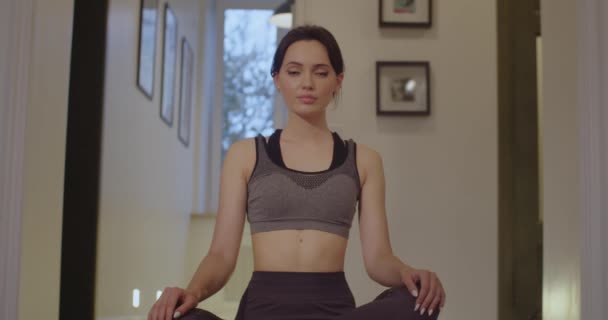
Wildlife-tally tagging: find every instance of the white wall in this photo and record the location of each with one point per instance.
(44, 160)
(6, 288)
(592, 100)
(147, 175)
(15, 39)
(441, 171)
(5, 37)
(560, 197)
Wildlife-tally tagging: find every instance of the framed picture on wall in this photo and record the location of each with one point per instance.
(403, 88)
(185, 105)
(169, 66)
(405, 13)
(147, 46)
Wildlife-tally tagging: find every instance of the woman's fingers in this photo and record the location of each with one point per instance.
(159, 307)
(408, 279)
(189, 302)
(151, 313)
(165, 305)
(431, 292)
(162, 305)
(171, 303)
(424, 278)
(435, 304)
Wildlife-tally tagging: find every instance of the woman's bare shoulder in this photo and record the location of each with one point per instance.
(367, 156)
(243, 154)
(243, 146)
(368, 161)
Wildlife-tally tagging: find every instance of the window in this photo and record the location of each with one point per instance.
(248, 92)
(244, 101)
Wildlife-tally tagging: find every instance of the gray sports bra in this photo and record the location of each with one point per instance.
(280, 198)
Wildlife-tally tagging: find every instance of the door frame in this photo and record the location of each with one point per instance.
(83, 160)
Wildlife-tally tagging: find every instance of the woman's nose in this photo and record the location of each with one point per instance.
(307, 82)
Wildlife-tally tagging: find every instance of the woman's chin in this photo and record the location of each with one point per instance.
(309, 110)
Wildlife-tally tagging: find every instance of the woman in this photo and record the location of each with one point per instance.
(299, 189)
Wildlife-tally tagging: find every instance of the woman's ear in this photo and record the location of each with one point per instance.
(340, 78)
(276, 81)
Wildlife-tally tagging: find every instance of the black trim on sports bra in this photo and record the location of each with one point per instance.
(273, 147)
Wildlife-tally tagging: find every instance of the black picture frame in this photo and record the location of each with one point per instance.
(146, 58)
(169, 69)
(405, 13)
(403, 88)
(185, 105)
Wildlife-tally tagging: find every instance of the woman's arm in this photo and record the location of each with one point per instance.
(219, 263)
(380, 262)
(216, 267)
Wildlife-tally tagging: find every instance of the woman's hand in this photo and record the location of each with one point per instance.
(173, 303)
(431, 295)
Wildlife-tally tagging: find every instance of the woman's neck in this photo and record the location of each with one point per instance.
(301, 129)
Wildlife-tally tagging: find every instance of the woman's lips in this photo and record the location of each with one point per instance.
(307, 99)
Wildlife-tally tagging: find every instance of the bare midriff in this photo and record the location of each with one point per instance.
(298, 251)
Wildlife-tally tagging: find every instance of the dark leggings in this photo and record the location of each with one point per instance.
(314, 296)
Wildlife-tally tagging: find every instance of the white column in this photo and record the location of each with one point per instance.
(16, 22)
(593, 123)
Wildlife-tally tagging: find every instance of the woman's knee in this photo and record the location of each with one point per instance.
(199, 314)
(400, 298)
(400, 291)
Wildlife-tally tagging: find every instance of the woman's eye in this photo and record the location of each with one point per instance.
(323, 74)
(293, 73)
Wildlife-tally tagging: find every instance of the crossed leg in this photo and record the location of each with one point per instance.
(394, 303)
(199, 314)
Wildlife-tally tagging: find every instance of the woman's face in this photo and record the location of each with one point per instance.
(306, 78)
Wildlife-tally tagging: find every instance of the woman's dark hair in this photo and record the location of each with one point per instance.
(309, 32)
